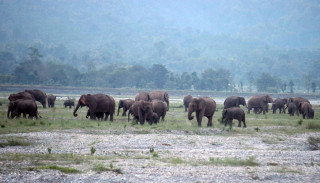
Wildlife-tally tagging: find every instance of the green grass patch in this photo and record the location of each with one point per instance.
(177, 161)
(61, 169)
(286, 170)
(14, 142)
(313, 125)
(101, 168)
(234, 162)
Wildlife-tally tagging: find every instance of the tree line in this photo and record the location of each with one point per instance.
(32, 70)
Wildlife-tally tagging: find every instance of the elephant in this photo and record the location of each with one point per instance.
(51, 100)
(307, 111)
(142, 96)
(125, 104)
(20, 95)
(186, 101)
(99, 115)
(160, 95)
(23, 106)
(234, 113)
(141, 111)
(160, 108)
(69, 103)
(155, 118)
(97, 103)
(203, 106)
(292, 108)
(234, 101)
(259, 102)
(298, 101)
(39, 96)
(279, 104)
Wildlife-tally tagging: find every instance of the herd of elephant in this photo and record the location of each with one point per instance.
(151, 106)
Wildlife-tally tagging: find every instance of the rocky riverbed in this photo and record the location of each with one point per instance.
(161, 156)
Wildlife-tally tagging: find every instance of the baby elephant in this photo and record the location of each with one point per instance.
(234, 113)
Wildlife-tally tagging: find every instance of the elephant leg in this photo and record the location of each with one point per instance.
(239, 124)
(111, 117)
(185, 108)
(24, 115)
(107, 116)
(198, 118)
(244, 123)
(209, 121)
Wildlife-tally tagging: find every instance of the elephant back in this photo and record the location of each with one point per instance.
(144, 96)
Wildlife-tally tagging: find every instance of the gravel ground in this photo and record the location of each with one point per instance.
(288, 159)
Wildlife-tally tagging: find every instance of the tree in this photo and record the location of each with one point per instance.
(313, 86)
(291, 84)
(307, 81)
(250, 79)
(159, 75)
(266, 83)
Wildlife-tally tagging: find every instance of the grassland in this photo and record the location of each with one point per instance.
(172, 143)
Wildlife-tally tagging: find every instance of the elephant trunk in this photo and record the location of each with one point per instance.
(75, 110)
(189, 114)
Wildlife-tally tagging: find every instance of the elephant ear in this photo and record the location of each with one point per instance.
(82, 99)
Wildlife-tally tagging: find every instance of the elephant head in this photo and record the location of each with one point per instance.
(195, 105)
(84, 100)
(166, 99)
(224, 114)
(269, 99)
(155, 118)
(145, 111)
(242, 101)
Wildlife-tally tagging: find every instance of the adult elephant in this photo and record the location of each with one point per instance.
(22, 106)
(97, 103)
(51, 100)
(234, 101)
(279, 104)
(160, 95)
(20, 95)
(259, 102)
(141, 111)
(142, 96)
(292, 108)
(234, 113)
(160, 108)
(298, 101)
(203, 106)
(125, 104)
(68, 103)
(186, 100)
(39, 96)
(306, 110)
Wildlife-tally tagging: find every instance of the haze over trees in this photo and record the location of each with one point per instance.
(265, 45)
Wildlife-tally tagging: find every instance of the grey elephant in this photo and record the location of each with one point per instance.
(279, 104)
(99, 115)
(51, 100)
(234, 113)
(306, 110)
(186, 100)
(203, 106)
(234, 101)
(259, 102)
(160, 108)
(298, 101)
(142, 96)
(125, 104)
(141, 111)
(292, 108)
(69, 103)
(97, 103)
(39, 96)
(160, 95)
(22, 106)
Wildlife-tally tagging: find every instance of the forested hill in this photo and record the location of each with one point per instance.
(246, 37)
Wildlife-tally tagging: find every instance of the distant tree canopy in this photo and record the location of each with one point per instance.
(31, 69)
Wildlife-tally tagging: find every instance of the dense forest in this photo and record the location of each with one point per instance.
(225, 45)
